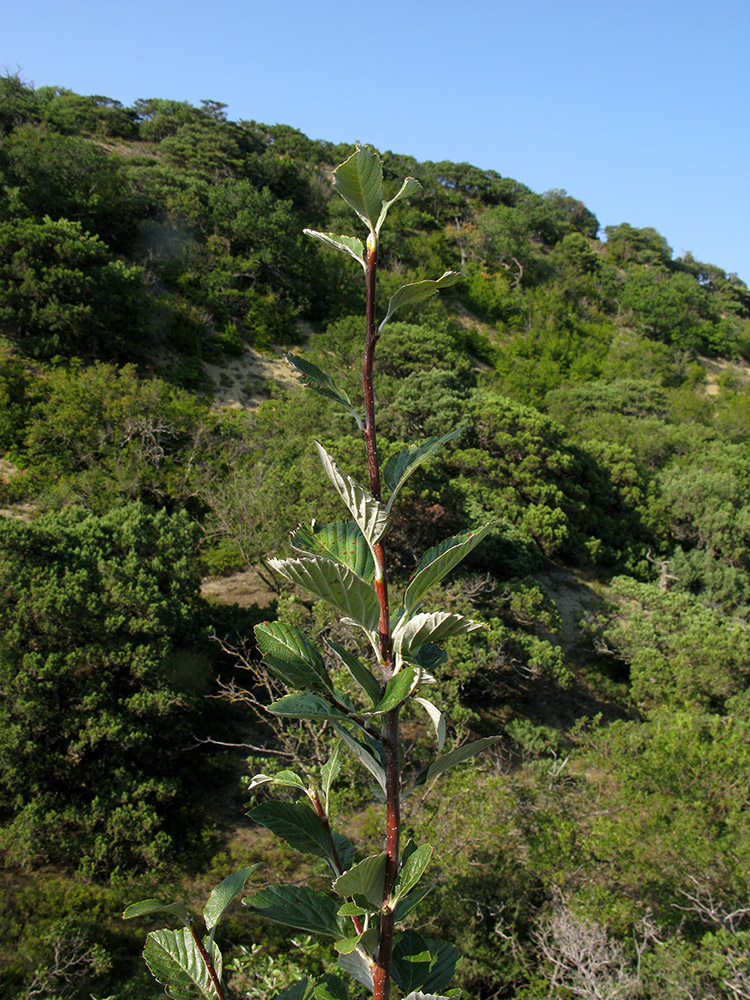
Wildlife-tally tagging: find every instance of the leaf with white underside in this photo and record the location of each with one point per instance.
(286, 778)
(305, 705)
(224, 894)
(361, 674)
(292, 657)
(369, 513)
(397, 690)
(410, 186)
(176, 962)
(437, 562)
(430, 626)
(364, 755)
(347, 244)
(329, 772)
(358, 968)
(341, 541)
(418, 291)
(364, 879)
(295, 823)
(300, 907)
(359, 181)
(400, 466)
(437, 718)
(450, 760)
(336, 584)
(313, 378)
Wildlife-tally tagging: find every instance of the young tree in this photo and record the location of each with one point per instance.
(344, 564)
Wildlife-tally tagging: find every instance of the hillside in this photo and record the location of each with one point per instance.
(152, 268)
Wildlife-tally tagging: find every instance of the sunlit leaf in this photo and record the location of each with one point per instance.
(305, 706)
(350, 245)
(313, 378)
(223, 895)
(341, 541)
(329, 772)
(359, 181)
(400, 466)
(417, 291)
(336, 585)
(397, 690)
(369, 513)
(364, 879)
(412, 870)
(450, 760)
(410, 186)
(291, 657)
(437, 562)
(437, 718)
(148, 906)
(286, 778)
(432, 626)
(176, 962)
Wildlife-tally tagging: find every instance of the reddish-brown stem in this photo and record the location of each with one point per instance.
(358, 925)
(382, 972)
(209, 964)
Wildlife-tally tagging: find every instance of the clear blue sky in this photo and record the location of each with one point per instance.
(640, 109)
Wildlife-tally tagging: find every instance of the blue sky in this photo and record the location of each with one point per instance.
(640, 109)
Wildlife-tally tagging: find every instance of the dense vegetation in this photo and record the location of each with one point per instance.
(602, 387)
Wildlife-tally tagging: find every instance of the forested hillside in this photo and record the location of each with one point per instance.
(150, 254)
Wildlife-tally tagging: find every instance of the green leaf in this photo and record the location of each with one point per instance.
(364, 755)
(412, 870)
(361, 674)
(397, 690)
(291, 657)
(352, 910)
(329, 772)
(305, 706)
(295, 823)
(300, 907)
(437, 718)
(400, 466)
(409, 187)
(418, 995)
(440, 560)
(442, 966)
(344, 849)
(359, 181)
(223, 895)
(341, 541)
(347, 945)
(329, 987)
(429, 657)
(287, 778)
(336, 585)
(346, 244)
(358, 968)
(452, 759)
(411, 959)
(364, 879)
(176, 962)
(300, 990)
(417, 291)
(148, 906)
(432, 626)
(313, 378)
(369, 513)
(405, 905)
